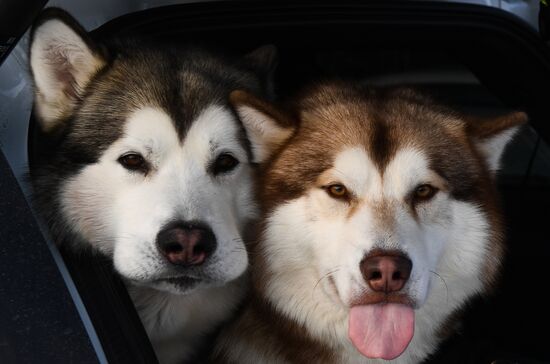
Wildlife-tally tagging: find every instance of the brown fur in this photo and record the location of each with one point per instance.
(328, 118)
(265, 330)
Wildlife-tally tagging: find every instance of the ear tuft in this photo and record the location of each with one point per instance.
(63, 60)
(266, 127)
(263, 62)
(492, 135)
(263, 59)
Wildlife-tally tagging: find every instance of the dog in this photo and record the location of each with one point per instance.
(147, 164)
(380, 221)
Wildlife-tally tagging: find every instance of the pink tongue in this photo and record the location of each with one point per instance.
(382, 330)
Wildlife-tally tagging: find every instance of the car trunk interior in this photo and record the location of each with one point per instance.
(470, 59)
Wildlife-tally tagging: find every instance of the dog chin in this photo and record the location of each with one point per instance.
(181, 285)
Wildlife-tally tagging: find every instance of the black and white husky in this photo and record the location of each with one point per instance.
(148, 165)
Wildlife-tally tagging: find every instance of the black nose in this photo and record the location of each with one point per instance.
(186, 243)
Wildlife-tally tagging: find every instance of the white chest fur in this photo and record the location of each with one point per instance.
(176, 324)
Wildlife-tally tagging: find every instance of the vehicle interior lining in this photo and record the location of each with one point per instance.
(475, 62)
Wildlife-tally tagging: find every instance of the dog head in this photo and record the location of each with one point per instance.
(144, 161)
(376, 204)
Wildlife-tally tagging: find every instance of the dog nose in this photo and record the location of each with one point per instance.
(386, 272)
(186, 243)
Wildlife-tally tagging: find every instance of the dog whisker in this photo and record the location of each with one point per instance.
(444, 283)
(326, 275)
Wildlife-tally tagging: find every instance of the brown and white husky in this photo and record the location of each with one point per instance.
(380, 221)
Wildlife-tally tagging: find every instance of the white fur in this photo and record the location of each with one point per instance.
(121, 212)
(176, 324)
(312, 237)
(492, 148)
(263, 131)
(56, 49)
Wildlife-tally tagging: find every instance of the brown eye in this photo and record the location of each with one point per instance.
(337, 191)
(224, 163)
(133, 162)
(424, 192)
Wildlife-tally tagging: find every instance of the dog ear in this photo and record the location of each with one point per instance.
(492, 134)
(266, 127)
(63, 60)
(263, 59)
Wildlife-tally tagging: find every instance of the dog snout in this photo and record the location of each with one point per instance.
(386, 271)
(186, 243)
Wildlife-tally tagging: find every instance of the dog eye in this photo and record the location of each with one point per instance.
(133, 162)
(337, 191)
(224, 163)
(424, 192)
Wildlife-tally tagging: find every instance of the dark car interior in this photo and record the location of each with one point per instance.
(473, 59)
